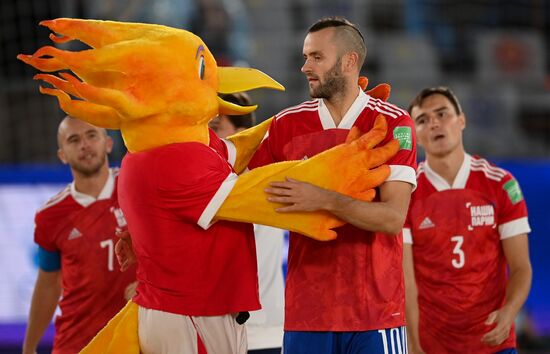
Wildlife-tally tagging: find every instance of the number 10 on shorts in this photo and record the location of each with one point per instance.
(394, 340)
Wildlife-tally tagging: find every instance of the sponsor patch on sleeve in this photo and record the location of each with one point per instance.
(404, 136)
(514, 192)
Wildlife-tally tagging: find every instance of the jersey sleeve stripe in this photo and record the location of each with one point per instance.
(514, 228)
(487, 174)
(205, 220)
(407, 236)
(403, 173)
(307, 104)
(384, 112)
(281, 115)
(492, 169)
(390, 107)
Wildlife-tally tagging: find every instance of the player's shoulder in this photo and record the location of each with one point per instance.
(297, 110)
(422, 182)
(58, 202)
(482, 168)
(389, 110)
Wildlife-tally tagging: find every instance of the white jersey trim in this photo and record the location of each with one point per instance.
(349, 118)
(388, 106)
(403, 173)
(440, 184)
(407, 236)
(205, 220)
(514, 228)
(491, 172)
(231, 152)
(304, 105)
(85, 200)
(309, 106)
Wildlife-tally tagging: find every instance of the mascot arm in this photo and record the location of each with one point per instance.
(246, 143)
(359, 168)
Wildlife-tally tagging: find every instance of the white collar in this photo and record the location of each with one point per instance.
(106, 193)
(460, 180)
(349, 118)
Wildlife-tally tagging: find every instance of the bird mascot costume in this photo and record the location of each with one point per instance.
(183, 191)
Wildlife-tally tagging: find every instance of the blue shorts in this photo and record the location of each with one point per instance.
(383, 341)
(508, 351)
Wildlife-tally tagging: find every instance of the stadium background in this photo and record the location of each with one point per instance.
(493, 53)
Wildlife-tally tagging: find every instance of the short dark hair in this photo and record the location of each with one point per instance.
(437, 90)
(348, 31)
(242, 99)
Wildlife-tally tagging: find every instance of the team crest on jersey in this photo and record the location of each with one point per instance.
(481, 215)
(120, 220)
(404, 136)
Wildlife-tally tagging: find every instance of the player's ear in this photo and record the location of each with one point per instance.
(61, 156)
(109, 143)
(462, 120)
(349, 61)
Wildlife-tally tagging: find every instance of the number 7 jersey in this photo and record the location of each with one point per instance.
(460, 268)
(82, 230)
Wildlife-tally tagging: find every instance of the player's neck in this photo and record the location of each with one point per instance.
(91, 185)
(447, 166)
(339, 104)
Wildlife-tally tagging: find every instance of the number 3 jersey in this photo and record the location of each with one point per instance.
(459, 264)
(82, 230)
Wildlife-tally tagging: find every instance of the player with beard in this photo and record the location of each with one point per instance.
(345, 295)
(75, 232)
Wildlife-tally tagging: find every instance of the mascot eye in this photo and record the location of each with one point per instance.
(201, 67)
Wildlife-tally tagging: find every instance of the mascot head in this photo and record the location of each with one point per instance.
(158, 85)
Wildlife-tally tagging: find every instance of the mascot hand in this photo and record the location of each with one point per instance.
(380, 91)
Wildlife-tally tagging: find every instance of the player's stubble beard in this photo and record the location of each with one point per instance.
(90, 170)
(333, 82)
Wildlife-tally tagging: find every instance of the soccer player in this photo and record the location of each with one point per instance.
(75, 232)
(346, 295)
(467, 222)
(265, 327)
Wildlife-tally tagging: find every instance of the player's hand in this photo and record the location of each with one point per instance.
(123, 250)
(130, 290)
(299, 196)
(501, 320)
(417, 350)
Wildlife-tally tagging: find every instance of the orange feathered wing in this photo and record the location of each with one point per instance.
(353, 168)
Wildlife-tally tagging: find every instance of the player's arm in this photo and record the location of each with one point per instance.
(387, 215)
(516, 251)
(411, 301)
(47, 291)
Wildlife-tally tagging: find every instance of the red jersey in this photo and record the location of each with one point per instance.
(353, 283)
(82, 230)
(460, 268)
(185, 266)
